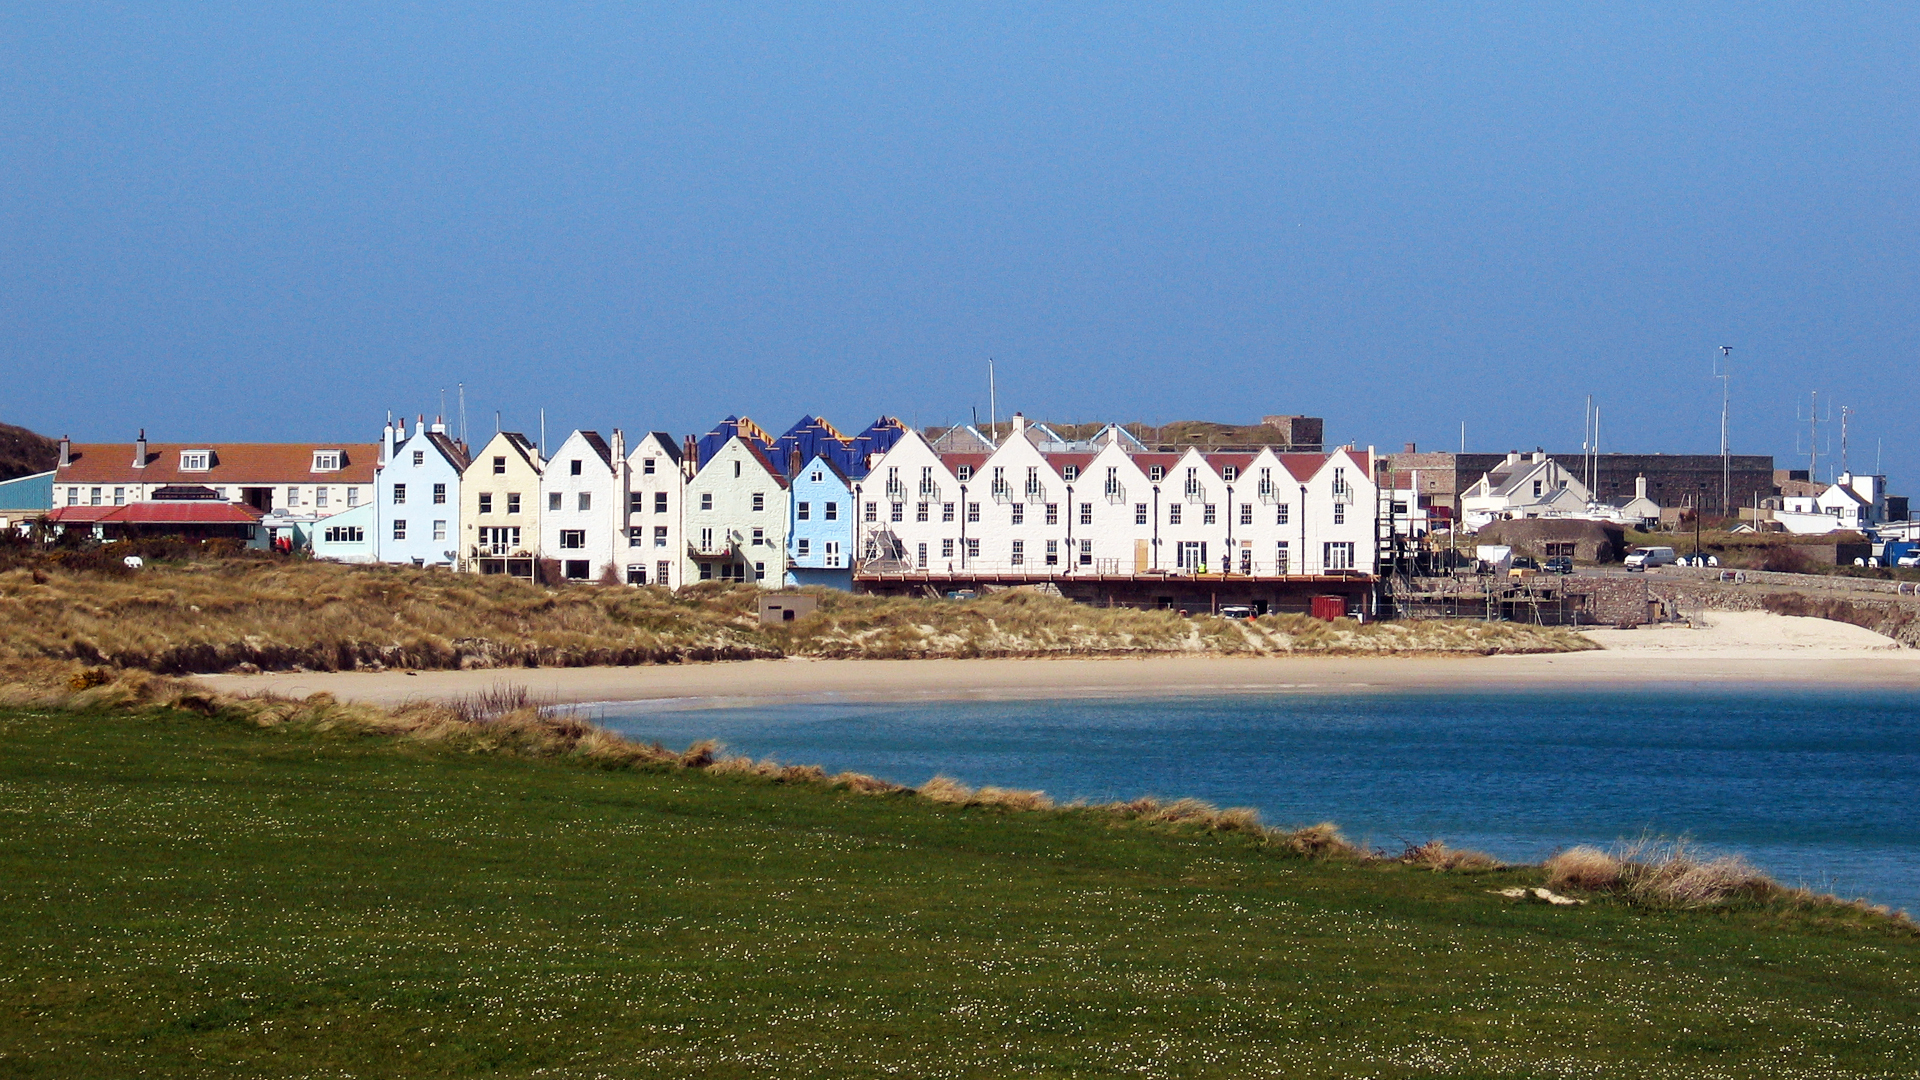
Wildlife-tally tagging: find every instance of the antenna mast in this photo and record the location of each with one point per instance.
(463, 413)
(1846, 411)
(993, 407)
(1726, 459)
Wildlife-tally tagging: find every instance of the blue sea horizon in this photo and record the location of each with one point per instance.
(1815, 786)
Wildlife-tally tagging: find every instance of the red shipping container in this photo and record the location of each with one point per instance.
(1329, 607)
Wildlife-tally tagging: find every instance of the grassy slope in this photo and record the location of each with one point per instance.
(24, 452)
(189, 896)
(216, 615)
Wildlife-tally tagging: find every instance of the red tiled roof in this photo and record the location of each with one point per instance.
(954, 461)
(160, 513)
(1061, 461)
(265, 464)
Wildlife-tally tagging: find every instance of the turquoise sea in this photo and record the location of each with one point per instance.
(1820, 787)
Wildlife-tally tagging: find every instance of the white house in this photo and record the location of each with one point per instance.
(656, 551)
(1852, 501)
(583, 506)
(417, 495)
(1524, 486)
(1019, 511)
(735, 518)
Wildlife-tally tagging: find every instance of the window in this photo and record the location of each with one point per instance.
(965, 474)
(486, 502)
(419, 458)
(1246, 557)
(353, 496)
(513, 502)
(326, 461)
(1280, 557)
(637, 574)
(833, 511)
(1156, 473)
(816, 476)
(1280, 514)
(659, 536)
(1139, 513)
(1070, 473)
(1053, 513)
(1053, 552)
(73, 496)
(1173, 513)
(706, 539)
(1230, 473)
(293, 496)
(586, 500)
(1208, 515)
(1019, 552)
(439, 529)
(576, 569)
(1339, 481)
(93, 497)
(1086, 513)
(1086, 553)
(573, 467)
(1339, 555)
(553, 500)
(973, 511)
(399, 528)
(759, 501)
(1246, 513)
(500, 466)
(803, 547)
(759, 571)
(1339, 513)
(662, 572)
(873, 511)
(399, 494)
(1193, 481)
(921, 511)
(973, 547)
(646, 467)
(196, 460)
(1019, 513)
(897, 512)
(706, 571)
(759, 537)
(706, 500)
(637, 536)
(802, 511)
(946, 511)
(319, 496)
(920, 557)
(573, 539)
(346, 534)
(736, 470)
(946, 548)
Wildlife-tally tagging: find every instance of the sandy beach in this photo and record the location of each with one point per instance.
(1730, 647)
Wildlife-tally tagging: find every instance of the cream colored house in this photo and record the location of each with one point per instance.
(735, 518)
(500, 507)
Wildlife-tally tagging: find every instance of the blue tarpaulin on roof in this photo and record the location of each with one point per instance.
(811, 436)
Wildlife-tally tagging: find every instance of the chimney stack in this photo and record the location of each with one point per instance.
(140, 450)
(1640, 486)
(1019, 423)
(1410, 448)
(66, 451)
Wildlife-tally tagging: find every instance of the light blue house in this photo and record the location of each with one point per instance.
(25, 500)
(820, 533)
(417, 495)
(349, 536)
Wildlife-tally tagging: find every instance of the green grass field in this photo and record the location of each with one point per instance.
(185, 896)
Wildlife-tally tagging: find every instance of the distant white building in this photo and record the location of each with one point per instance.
(1524, 486)
(656, 549)
(583, 508)
(1853, 502)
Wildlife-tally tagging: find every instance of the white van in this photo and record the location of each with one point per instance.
(1641, 558)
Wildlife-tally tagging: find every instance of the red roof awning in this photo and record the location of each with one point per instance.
(160, 513)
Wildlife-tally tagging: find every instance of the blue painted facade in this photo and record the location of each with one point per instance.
(32, 493)
(820, 527)
(417, 497)
(349, 536)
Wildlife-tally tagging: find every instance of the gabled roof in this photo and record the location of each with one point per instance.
(447, 446)
(963, 439)
(1078, 460)
(972, 460)
(233, 463)
(1221, 461)
(827, 462)
(598, 445)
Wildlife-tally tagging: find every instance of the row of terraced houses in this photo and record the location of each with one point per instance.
(886, 510)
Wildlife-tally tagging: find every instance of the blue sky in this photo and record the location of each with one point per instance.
(258, 221)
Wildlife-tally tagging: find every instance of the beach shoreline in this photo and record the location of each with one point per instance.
(1734, 649)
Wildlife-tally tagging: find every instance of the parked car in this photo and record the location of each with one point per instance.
(1910, 560)
(1236, 611)
(1523, 566)
(1560, 564)
(1643, 558)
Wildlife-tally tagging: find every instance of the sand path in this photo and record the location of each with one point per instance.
(1734, 648)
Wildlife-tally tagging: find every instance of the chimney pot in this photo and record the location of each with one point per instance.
(1410, 448)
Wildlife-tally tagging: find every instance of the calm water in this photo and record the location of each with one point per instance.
(1821, 788)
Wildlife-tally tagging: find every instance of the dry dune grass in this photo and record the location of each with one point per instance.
(1666, 873)
(248, 614)
(1436, 855)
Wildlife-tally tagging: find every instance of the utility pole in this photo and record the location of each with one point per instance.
(993, 407)
(1726, 459)
(1846, 411)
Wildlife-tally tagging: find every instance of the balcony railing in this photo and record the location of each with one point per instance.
(1116, 491)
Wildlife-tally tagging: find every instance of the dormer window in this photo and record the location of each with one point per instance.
(1071, 473)
(1230, 473)
(1156, 473)
(196, 460)
(966, 473)
(326, 461)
